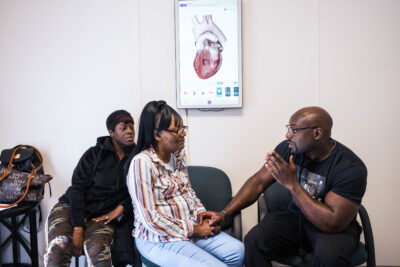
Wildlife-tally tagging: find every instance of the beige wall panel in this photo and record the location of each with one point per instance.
(360, 82)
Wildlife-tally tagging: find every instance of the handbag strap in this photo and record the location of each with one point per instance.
(21, 198)
(5, 174)
(18, 148)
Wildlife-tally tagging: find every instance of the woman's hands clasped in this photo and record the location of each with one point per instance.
(205, 229)
(115, 213)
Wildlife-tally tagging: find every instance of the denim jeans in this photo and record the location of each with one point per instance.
(220, 250)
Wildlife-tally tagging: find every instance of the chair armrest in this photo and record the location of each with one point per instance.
(368, 236)
(262, 209)
(237, 226)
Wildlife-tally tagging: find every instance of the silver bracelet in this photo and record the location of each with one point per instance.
(225, 214)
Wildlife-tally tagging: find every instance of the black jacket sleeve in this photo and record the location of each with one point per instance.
(81, 180)
(128, 208)
(127, 203)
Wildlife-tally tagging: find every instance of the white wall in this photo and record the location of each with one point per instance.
(360, 82)
(65, 65)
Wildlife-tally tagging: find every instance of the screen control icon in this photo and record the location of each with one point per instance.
(236, 91)
(227, 91)
(219, 91)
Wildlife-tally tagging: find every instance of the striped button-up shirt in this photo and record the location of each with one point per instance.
(165, 205)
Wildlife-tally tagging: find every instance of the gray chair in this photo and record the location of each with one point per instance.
(213, 188)
(276, 198)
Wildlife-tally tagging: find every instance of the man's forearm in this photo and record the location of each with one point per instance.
(246, 196)
(328, 219)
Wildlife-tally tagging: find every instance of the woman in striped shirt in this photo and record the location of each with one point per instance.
(169, 227)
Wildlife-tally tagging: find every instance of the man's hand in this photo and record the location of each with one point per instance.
(111, 215)
(77, 241)
(216, 230)
(283, 172)
(215, 218)
(204, 229)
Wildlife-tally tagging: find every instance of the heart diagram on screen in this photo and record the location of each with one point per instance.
(209, 41)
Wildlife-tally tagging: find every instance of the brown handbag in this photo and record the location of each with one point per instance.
(16, 185)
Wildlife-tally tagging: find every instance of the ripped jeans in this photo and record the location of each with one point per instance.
(97, 240)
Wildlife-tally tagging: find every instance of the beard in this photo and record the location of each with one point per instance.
(293, 148)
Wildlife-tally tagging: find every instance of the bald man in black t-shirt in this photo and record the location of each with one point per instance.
(326, 181)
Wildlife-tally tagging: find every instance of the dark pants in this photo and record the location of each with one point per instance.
(97, 239)
(278, 235)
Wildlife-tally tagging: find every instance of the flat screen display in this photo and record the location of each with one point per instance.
(208, 53)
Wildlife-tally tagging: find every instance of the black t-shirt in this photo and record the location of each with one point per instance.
(343, 173)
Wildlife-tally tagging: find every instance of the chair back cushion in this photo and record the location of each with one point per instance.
(277, 197)
(212, 186)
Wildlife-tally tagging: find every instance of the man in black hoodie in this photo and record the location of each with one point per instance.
(85, 216)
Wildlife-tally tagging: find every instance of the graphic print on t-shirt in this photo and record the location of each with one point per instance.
(313, 183)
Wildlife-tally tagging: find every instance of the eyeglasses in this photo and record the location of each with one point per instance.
(294, 131)
(179, 131)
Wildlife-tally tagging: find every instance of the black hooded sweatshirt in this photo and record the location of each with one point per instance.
(98, 183)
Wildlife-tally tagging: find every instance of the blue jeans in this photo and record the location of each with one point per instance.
(220, 250)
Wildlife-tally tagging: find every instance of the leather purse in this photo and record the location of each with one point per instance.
(17, 186)
(25, 160)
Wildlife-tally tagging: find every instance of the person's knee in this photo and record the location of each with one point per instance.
(97, 252)
(255, 240)
(236, 257)
(257, 244)
(59, 250)
(330, 256)
(250, 239)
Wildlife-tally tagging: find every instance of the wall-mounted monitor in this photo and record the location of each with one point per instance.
(208, 53)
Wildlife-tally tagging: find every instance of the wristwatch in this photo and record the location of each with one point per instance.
(226, 215)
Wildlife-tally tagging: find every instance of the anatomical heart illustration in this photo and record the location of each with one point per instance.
(209, 45)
